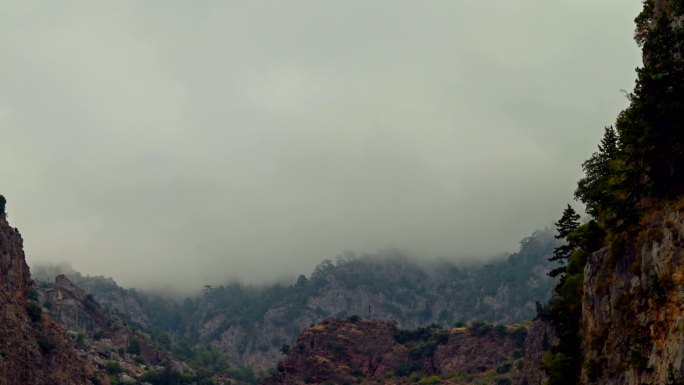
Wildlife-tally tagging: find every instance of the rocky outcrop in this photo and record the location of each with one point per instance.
(480, 351)
(356, 351)
(74, 307)
(14, 272)
(33, 348)
(540, 337)
(632, 325)
(101, 332)
(633, 306)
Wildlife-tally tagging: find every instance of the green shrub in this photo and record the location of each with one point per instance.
(134, 347)
(519, 334)
(425, 349)
(165, 377)
(46, 346)
(32, 294)
(406, 369)
(636, 359)
(80, 340)
(34, 311)
(480, 328)
(113, 367)
(430, 380)
(504, 368)
(559, 368)
(500, 330)
(593, 368)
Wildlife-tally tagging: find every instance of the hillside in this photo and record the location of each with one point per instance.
(34, 349)
(59, 334)
(346, 351)
(250, 324)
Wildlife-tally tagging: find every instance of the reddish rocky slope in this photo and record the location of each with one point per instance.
(346, 351)
(33, 348)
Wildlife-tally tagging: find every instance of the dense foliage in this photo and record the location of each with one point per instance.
(639, 162)
(422, 344)
(642, 158)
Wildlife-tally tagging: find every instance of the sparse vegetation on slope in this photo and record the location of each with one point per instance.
(249, 325)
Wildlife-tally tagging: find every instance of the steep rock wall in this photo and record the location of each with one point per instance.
(33, 349)
(633, 306)
(14, 272)
(540, 337)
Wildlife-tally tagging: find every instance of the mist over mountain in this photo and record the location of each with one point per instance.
(250, 323)
(218, 139)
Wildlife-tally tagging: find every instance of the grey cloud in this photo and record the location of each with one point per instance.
(161, 142)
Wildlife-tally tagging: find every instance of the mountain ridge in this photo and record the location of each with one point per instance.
(249, 324)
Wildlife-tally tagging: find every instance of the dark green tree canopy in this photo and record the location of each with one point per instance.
(641, 158)
(595, 189)
(3, 202)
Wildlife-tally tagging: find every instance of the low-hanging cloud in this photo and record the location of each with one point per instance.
(187, 143)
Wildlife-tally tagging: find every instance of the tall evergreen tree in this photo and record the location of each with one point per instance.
(651, 129)
(566, 225)
(595, 189)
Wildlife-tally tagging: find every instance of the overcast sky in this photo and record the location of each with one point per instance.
(192, 142)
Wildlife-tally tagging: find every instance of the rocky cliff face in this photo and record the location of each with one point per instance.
(346, 351)
(540, 337)
(74, 308)
(33, 348)
(62, 335)
(633, 306)
(102, 333)
(632, 325)
(14, 273)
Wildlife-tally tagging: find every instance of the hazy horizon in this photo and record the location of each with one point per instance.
(47, 271)
(202, 142)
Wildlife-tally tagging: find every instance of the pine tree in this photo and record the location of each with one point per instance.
(595, 190)
(651, 129)
(566, 225)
